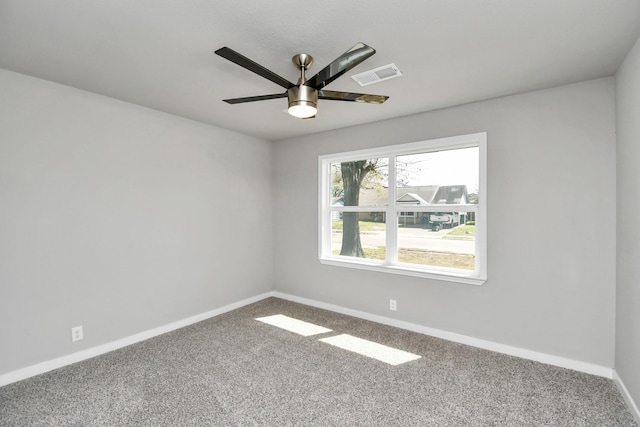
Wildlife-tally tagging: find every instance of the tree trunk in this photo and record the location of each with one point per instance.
(352, 175)
(351, 245)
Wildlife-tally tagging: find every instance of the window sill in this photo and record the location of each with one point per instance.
(405, 271)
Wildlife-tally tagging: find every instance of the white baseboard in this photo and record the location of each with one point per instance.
(562, 362)
(627, 397)
(79, 356)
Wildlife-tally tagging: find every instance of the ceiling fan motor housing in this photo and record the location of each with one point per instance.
(302, 95)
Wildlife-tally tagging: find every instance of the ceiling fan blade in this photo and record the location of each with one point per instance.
(250, 65)
(255, 98)
(349, 96)
(341, 65)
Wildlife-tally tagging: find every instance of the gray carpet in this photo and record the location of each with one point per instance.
(235, 371)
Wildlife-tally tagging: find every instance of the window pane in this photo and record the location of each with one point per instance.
(423, 240)
(359, 234)
(439, 177)
(360, 183)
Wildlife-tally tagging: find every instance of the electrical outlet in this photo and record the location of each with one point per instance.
(393, 306)
(76, 333)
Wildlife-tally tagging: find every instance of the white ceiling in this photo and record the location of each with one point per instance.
(159, 53)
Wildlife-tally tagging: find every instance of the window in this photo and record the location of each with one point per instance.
(417, 209)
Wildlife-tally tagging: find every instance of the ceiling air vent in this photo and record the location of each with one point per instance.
(376, 75)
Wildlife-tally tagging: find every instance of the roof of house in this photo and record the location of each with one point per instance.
(412, 198)
(451, 194)
(416, 195)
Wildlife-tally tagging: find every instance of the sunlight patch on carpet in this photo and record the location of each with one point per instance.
(380, 352)
(293, 325)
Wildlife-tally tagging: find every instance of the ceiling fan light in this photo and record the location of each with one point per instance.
(302, 110)
(303, 101)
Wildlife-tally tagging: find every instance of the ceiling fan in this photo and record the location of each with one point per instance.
(303, 96)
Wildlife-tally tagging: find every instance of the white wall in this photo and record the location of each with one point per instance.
(628, 230)
(551, 207)
(120, 219)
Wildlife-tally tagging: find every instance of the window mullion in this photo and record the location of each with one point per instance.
(392, 215)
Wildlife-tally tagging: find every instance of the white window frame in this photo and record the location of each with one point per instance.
(391, 265)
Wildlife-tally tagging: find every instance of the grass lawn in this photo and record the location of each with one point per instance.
(422, 257)
(463, 230)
